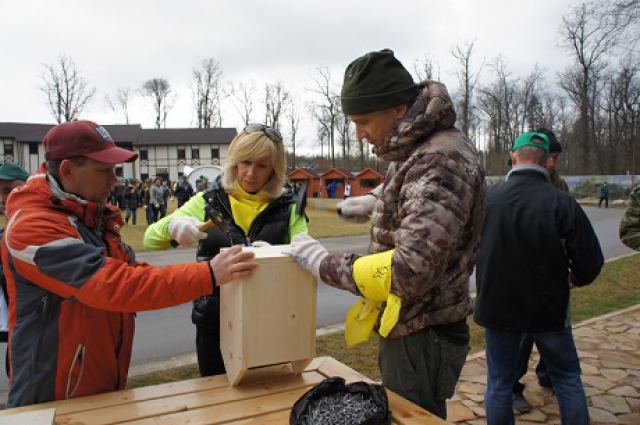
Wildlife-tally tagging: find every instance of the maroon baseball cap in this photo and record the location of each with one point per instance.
(84, 138)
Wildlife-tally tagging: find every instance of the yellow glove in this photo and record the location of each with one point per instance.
(372, 274)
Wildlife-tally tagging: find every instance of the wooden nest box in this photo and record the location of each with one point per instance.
(268, 318)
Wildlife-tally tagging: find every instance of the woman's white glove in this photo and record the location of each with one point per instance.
(307, 251)
(184, 231)
(356, 209)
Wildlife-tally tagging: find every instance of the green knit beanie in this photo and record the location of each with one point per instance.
(374, 82)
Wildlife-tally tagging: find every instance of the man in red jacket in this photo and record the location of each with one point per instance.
(74, 286)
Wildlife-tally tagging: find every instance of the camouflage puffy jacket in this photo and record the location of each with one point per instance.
(430, 210)
(630, 225)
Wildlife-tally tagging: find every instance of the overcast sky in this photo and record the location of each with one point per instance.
(120, 43)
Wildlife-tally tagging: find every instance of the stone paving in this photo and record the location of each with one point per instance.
(609, 350)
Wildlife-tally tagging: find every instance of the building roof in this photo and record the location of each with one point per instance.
(130, 133)
(186, 136)
(307, 171)
(23, 132)
(338, 171)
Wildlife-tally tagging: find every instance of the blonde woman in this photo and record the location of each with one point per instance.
(251, 197)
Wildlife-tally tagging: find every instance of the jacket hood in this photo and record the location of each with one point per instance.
(431, 112)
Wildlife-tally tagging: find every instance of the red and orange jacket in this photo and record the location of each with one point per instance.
(74, 288)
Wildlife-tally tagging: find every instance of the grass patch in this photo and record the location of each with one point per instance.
(616, 288)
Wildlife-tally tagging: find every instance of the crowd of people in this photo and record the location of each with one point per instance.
(73, 286)
(151, 194)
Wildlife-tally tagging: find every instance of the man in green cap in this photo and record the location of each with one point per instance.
(537, 244)
(11, 176)
(426, 224)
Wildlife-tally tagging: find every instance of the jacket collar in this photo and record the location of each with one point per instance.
(526, 168)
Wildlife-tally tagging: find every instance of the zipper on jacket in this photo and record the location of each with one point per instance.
(78, 358)
(228, 211)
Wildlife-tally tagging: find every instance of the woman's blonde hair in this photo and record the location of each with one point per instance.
(251, 147)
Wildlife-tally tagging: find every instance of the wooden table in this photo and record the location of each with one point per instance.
(265, 396)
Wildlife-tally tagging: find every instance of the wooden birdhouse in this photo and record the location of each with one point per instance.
(268, 318)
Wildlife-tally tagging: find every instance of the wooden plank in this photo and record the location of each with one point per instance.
(331, 367)
(279, 418)
(407, 413)
(229, 412)
(216, 398)
(37, 417)
(127, 396)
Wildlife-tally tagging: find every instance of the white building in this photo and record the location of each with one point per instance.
(161, 152)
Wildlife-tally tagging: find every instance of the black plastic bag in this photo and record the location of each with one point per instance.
(333, 402)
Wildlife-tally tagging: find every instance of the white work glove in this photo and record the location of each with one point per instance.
(184, 231)
(356, 209)
(307, 251)
(258, 244)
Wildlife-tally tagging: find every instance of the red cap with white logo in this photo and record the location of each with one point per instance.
(84, 138)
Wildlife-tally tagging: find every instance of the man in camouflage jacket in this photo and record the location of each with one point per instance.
(426, 225)
(630, 225)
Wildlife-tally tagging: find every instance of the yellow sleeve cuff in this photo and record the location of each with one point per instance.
(372, 274)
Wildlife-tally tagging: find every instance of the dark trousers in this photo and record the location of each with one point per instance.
(158, 213)
(182, 200)
(208, 349)
(523, 366)
(563, 365)
(606, 201)
(132, 213)
(422, 367)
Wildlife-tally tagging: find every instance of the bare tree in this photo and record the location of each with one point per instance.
(67, 92)
(162, 98)
(467, 80)
(426, 69)
(242, 94)
(120, 102)
(326, 109)
(625, 15)
(207, 93)
(275, 102)
(292, 115)
(589, 39)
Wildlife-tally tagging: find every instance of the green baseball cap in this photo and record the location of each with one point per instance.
(532, 138)
(12, 171)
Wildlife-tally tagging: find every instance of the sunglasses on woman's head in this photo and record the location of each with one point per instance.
(273, 134)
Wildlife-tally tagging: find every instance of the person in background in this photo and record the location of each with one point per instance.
(537, 244)
(166, 194)
(255, 208)
(74, 285)
(426, 223)
(203, 184)
(183, 191)
(131, 202)
(156, 200)
(146, 201)
(630, 224)
(12, 176)
(520, 403)
(118, 194)
(347, 190)
(604, 195)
